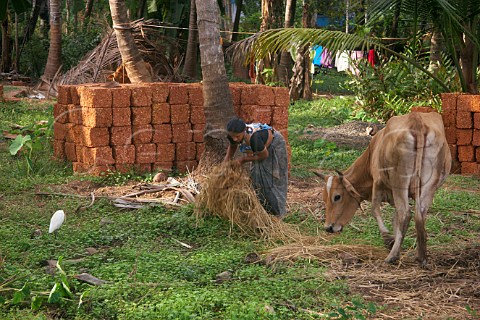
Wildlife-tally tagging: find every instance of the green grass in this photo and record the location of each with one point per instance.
(150, 276)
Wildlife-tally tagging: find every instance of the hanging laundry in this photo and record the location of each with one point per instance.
(371, 57)
(354, 56)
(341, 60)
(317, 60)
(326, 59)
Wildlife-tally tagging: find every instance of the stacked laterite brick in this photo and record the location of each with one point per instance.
(461, 117)
(148, 127)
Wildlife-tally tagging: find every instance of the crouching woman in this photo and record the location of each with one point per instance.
(266, 150)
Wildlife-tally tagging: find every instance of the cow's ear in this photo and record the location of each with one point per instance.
(350, 188)
(340, 174)
(321, 175)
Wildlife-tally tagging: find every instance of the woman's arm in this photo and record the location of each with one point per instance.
(257, 156)
(232, 148)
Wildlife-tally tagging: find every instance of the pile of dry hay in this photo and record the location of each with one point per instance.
(227, 192)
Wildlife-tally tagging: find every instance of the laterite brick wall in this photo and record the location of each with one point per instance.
(461, 117)
(149, 127)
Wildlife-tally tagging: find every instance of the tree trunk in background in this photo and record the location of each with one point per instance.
(436, 48)
(134, 64)
(236, 21)
(54, 59)
(468, 62)
(286, 61)
(6, 50)
(302, 78)
(88, 9)
(396, 19)
(141, 9)
(32, 23)
(190, 67)
(273, 13)
(216, 93)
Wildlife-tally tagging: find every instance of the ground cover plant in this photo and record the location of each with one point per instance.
(149, 275)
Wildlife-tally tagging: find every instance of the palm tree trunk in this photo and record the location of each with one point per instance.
(236, 21)
(286, 61)
(88, 9)
(190, 67)
(54, 59)
(436, 48)
(216, 93)
(134, 64)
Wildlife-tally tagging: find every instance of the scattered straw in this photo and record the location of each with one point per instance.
(227, 192)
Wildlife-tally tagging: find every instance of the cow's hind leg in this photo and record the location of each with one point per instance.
(420, 218)
(400, 222)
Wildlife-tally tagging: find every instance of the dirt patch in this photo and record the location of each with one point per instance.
(354, 134)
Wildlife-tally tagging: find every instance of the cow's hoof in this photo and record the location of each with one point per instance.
(391, 260)
(422, 262)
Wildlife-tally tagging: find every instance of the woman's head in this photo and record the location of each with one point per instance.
(236, 129)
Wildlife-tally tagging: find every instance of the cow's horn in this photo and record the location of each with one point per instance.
(321, 175)
(340, 174)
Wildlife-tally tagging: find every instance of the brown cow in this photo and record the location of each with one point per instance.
(409, 158)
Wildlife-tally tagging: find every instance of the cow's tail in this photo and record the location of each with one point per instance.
(421, 137)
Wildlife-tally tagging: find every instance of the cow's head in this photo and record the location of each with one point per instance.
(341, 201)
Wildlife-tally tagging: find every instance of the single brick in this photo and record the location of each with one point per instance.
(95, 97)
(145, 153)
(449, 101)
(236, 92)
(248, 113)
(60, 113)
(121, 97)
(162, 133)
(70, 151)
(449, 117)
(160, 92)
(124, 154)
(464, 137)
(165, 152)
(97, 117)
(477, 154)
(472, 168)
(75, 113)
(141, 168)
(100, 170)
(185, 151)
(265, 96)
(180, 113)
(182, 132)
(120, 135)
(80, 167)
(160, 113)
(72, 133)
(468, 103)
(466, 153)
(249, 95)
(178, 94)
(197, 115)
(59, 131)
(476, 120)
(142, 134)
(464, 120)
(64, 96)
(451, 135)
(59, 149)
(121, 117)
(198, 132)
(237, 109)
(94, 137)
(200, 150)
(186, 166)
(280, 117)
(141, 95)
(476, 137)
(75, 95)
(282, 97)
(195, 95)
(98, 156)
(141, 115)
(80, 152)
(263, 114)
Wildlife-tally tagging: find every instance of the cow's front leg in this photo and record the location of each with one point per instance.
(376, 201)
(400, 223)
